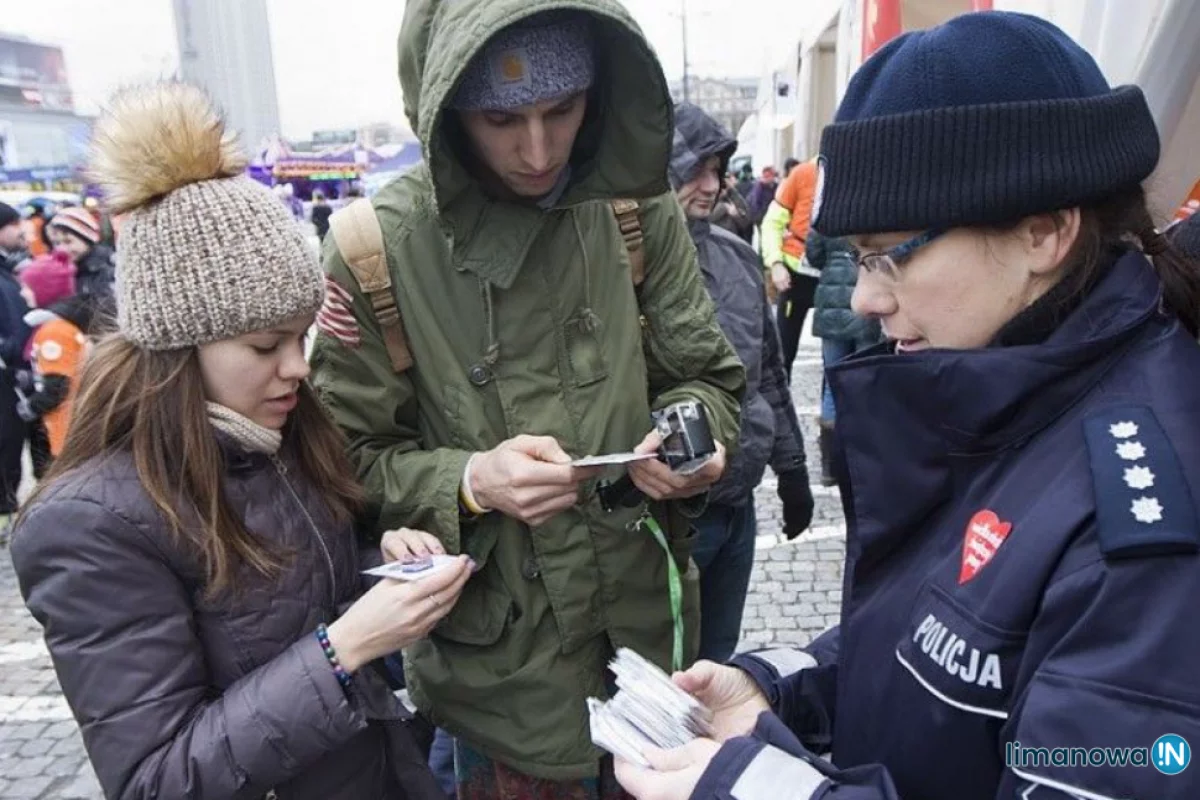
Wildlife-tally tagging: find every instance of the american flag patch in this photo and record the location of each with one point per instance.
(336, 317)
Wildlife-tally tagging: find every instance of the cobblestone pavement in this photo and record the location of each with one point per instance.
(794, 595)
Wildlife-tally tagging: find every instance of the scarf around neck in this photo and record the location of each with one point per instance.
(247, 433)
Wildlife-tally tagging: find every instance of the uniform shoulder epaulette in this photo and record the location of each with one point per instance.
(1143, 504)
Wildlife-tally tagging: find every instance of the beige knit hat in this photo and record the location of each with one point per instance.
(205, 253)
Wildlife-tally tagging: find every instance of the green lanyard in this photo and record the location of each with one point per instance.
(676, 590)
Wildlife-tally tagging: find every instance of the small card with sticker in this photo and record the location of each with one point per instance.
(412, 569)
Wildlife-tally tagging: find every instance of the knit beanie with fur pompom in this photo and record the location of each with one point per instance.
(205, 252)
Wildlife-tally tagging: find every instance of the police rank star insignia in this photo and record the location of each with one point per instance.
(1143, 504)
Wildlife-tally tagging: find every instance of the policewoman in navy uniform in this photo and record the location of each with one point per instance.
(1022, 457)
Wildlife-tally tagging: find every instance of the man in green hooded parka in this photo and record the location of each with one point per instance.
(530, 346)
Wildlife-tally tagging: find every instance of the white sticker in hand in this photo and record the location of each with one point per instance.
(414, 570)
(615, 458)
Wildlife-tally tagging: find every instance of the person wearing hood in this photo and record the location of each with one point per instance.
(531, 340)
(1023, 543)
(770, 431)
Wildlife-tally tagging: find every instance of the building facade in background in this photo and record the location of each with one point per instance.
(376, 134)
(225, 46)
(39, 129)
(730, 101)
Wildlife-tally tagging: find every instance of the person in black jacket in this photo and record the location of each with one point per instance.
(13, 335)
(321, 212)
(770, 431)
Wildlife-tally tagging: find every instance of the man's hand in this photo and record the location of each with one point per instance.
(735, 699)
(781, 277)
(659, 482)
(528, 478)
(673, 774)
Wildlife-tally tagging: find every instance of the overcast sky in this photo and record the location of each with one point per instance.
(335, 59)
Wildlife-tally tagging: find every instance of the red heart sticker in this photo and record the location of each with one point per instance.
(985, 534)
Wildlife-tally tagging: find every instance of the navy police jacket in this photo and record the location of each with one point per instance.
(1021, 609)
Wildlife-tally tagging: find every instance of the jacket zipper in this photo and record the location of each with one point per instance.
(281, 468)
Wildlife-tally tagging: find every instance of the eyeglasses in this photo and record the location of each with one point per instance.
(889, 261)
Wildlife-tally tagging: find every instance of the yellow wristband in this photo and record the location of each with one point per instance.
(465, 495)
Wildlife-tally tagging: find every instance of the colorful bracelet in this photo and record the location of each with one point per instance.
(344, 678)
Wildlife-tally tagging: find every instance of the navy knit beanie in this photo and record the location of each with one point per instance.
(988, 118)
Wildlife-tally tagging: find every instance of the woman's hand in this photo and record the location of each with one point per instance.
(673, 774)
(394, 614)
(732, 696)
(406, 544)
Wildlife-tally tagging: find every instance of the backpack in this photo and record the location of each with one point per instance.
(359, 239)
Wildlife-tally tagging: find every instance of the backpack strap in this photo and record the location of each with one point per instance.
(359, 239)
(629, 220)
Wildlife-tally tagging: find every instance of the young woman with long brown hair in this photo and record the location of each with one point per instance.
(191, 556)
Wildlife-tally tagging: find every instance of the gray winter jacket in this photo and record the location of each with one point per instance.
(179, 696)
(770, 431)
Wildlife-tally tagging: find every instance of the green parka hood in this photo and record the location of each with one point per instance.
(623, 148)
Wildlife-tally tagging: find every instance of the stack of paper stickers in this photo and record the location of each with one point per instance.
(648, 710)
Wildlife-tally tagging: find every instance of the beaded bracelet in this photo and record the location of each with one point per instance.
(339, 671)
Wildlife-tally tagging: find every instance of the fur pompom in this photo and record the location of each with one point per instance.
(155, 138)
